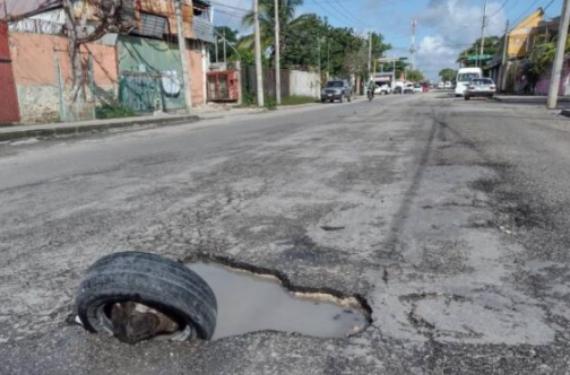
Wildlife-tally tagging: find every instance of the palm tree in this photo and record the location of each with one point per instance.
(267, 21)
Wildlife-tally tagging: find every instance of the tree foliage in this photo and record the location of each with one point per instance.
(414, 75)
(447, 74)
(309, 41)
(493, 45)
(231, 37)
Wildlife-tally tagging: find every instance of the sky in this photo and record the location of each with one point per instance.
(444, 27)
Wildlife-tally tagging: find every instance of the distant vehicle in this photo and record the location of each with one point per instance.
(384, 83)
(441, 85)
(480, 87)
(382, 90)
(418, 88)
(464, 76)
(409, 88)
(336, 90)
(448, 85)
(398, 87)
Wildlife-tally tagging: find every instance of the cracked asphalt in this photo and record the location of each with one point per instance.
(449, 217)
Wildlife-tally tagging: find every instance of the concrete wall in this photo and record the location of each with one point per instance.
(35, 58)
(304, 83)
(195, 56)
(544, 82)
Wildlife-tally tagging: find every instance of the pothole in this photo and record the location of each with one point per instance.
(249, 302)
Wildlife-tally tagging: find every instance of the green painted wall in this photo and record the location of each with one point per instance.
(143, 63)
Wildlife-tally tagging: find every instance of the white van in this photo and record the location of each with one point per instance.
(464, 75)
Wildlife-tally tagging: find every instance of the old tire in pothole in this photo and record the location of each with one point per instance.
(150, 280)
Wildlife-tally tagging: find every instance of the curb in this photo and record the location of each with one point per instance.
(527, 100)
(93, 128)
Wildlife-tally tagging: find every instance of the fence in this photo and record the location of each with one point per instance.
(293, 82)
(304, 83)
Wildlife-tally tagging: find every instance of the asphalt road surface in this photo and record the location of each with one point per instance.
(452, 222)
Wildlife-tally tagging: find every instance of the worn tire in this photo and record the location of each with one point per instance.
(350, 99)
(341, 100)
(149, 279)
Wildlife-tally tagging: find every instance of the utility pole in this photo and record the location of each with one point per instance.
(413, 48)
(216, 46)
(328, 57)
(278, 56)
(369, 54)
(559, 57)
(225, 53)
(319, 54)
(504, 58)
(186, 78)
(258, 67)
(483, 22)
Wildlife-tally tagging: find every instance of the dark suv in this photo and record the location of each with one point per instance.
(336, 90)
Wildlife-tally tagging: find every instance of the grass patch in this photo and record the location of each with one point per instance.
(297, 100)
(107, 111)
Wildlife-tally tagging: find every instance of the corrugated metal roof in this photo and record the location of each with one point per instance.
(22, 8)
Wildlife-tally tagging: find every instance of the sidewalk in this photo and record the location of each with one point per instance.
(14, 132)
(563, 101)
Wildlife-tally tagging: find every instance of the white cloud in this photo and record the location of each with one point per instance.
(453, 25)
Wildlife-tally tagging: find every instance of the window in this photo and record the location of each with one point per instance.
(153, 25)
(466, 77)
(335, 84)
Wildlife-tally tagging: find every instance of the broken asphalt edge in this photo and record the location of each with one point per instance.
(98, 126)
(31, 131)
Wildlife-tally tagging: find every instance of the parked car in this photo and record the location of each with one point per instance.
(418, 88)
(409, 88)
(336, 90)
(382, 90)
(480, 87)
(441, 85)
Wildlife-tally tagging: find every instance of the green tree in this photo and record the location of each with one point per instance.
(400, 65)
(301, 43)
(493, 46)
(447, 74)
(414, 75)
(231, 40)
(267, 22)
(540, 60)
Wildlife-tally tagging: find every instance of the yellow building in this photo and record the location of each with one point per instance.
(520, 36)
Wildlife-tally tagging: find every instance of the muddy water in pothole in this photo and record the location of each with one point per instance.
(249, 303)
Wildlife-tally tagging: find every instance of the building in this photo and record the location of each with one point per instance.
(522, 35)
(140, 69)
(512, 75)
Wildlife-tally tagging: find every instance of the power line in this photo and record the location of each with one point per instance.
(339, 12)
(518, 19)
(347, 12)
(499, 10)
(548, 5)
(217, 4)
